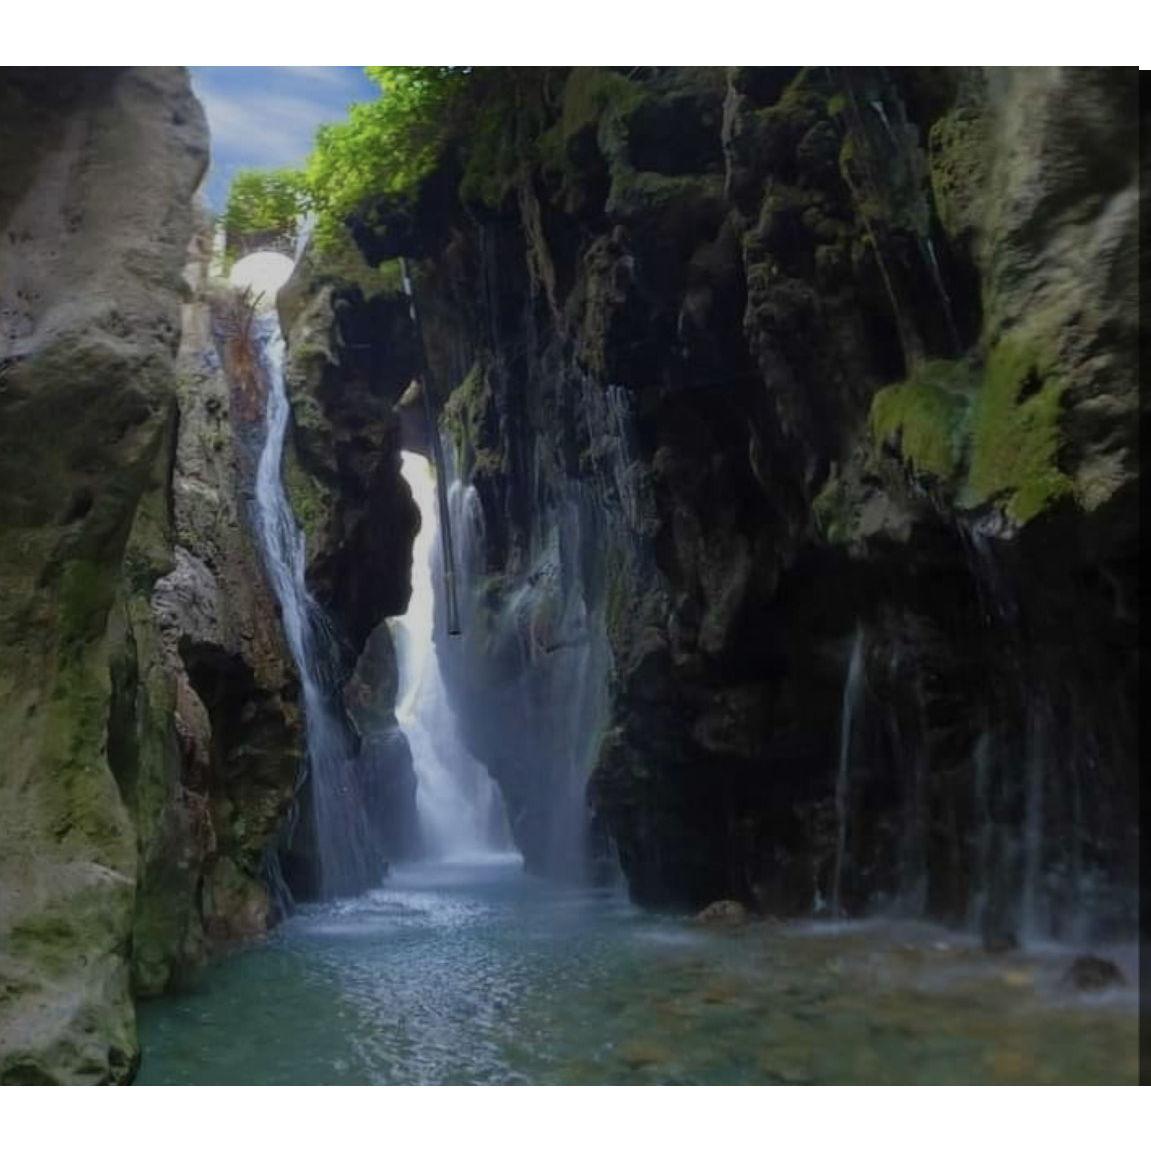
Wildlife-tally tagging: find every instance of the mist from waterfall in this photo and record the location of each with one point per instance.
(460, 808)
(347, 855)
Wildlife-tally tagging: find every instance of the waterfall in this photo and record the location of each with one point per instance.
(941, 288)
(461, 812)
(852, 693)
(881, 112)
(347, 856)
(981, 818)
(912, 758)
(1031, 921)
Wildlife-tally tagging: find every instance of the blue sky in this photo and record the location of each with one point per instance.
(267, 117)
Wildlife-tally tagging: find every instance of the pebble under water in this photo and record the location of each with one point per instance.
(473, 972)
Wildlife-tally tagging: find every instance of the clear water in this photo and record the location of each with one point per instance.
(473, 972)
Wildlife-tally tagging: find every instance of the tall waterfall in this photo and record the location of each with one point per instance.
(461, 812)
(347, 856)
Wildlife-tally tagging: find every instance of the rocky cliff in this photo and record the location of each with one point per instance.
(146, 697)
(350, 358)
(792, 425)
(751, 371)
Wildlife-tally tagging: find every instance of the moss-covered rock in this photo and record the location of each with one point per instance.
(96, 228)
(1015, 433)
(924, 418)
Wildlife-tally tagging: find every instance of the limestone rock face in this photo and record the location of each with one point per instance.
(841, 364)
(145, 688)
(350, 357)
(96, 214)
(209, 815)
(349, 361)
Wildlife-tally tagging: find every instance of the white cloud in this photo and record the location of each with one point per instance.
(265, 129)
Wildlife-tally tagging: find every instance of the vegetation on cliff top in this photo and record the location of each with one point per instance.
(385, 147)
(496, 122)
(266, 201)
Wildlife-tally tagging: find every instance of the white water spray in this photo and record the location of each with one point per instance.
(460, 808)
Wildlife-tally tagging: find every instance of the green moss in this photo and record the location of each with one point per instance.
(959, 151)
(594, 106)
(499, 143)
(1015, 434)
(592, 93)
(86, 592)
(470, 417)
(340, 259)
(926, 417)
(86, 922)
(309, 499)
(669, 199)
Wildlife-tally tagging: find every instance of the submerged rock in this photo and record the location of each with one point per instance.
(1093, 973)
(724, 913)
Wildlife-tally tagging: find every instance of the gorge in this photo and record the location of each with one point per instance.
(789, 421)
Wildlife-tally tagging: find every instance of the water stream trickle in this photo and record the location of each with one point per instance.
(852, 694)
(348, 858)
(941, 288)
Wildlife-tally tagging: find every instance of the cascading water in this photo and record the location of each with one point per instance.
(852, 694)
(1033, 923)
(460, 809)
(945, 299)
(348, 857)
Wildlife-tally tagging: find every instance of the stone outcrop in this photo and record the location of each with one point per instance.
(147, 699)
(208, 644)
(745, 370)
(792, 427)
(350, 357)
(100, 169)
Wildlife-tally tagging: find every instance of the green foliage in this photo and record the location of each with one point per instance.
(385, 147)
(925, 415)
(261, 202)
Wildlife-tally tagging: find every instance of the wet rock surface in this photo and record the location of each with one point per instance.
(350, 357)
(848, 353)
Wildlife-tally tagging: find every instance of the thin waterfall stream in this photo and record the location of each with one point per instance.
(852, 693)
(347, 856)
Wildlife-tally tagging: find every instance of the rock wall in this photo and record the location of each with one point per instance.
(97, 213)
(350, 358)
(147, 700)
(745, 371)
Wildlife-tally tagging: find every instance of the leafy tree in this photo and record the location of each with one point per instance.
(266, 201)
(385, 147)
